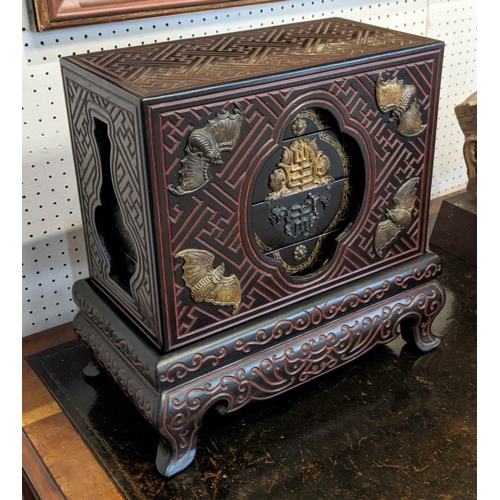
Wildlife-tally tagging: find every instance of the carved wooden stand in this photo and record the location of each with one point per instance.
(255, 212)
(261, 360)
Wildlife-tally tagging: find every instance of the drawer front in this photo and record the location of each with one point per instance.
(302, 195)
(234, 244)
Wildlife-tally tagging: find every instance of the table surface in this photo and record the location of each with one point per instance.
(56, 460)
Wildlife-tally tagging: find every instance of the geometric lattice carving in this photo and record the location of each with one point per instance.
(130, 188)
(245, 55)
(213, 214)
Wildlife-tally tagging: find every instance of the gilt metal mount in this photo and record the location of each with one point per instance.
(303, 166)
(401, 100)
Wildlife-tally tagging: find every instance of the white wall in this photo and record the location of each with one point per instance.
(53, 244)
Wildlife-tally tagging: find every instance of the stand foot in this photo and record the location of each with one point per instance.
(168, 462)
(93, 369)
(422, 338)
(182, 415)
(416, 326)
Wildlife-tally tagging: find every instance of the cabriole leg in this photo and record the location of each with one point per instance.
(416, 326)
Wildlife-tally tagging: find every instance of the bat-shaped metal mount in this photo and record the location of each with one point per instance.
(203, 150)
(206, 283)
(401, 99)
(398, 218)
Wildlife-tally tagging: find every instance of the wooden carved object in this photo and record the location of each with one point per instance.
(271, 221)
(467, 118)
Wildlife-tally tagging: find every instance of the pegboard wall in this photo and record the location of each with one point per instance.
(53, 245)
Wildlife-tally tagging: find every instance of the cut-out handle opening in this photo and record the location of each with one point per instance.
(113, 234)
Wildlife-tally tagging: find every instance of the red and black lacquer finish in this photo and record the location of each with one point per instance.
(255, 209)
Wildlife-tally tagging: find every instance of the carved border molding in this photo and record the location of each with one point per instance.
(110, 332)
(433, 270)
(293, 363)
(218, 353)
(290, 327)
(134, 388)
(179, 370)
(312, 318)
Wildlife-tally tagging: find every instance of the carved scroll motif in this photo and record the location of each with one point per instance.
(206, 283)
(398, 218)
(311, 355)
(204, 147)
(179, 370)
(401, 99)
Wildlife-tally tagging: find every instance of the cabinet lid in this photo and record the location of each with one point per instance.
(167, 68)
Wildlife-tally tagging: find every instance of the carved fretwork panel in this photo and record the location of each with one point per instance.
(156, 69)
(216, 218)
(119, 204)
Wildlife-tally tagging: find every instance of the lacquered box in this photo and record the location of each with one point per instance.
(255, 210)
